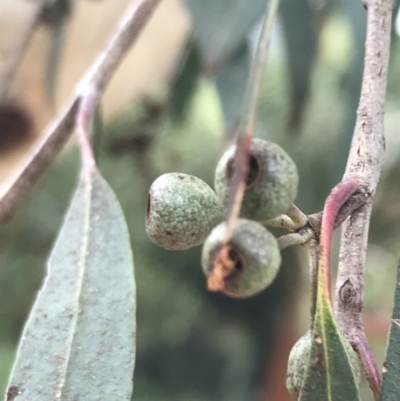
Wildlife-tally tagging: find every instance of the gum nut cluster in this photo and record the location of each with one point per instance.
(298, 361)
(271, 184)
(244, 266)
(181, 211)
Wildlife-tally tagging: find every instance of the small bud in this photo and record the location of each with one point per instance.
(181, 211)
(246, 265)
(271, 184)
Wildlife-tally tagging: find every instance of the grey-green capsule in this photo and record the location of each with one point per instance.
(297, 364)
(298, 360)
(244, 266)
(272, 180)
(181, 211)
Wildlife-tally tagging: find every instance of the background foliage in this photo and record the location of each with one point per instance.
(193, 345)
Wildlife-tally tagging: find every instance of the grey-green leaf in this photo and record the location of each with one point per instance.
(301, 46)
(391, 367)
(185, 80)
(79, 341)
(331, 373)
(220, 27)
(56, 16)
(231, 82)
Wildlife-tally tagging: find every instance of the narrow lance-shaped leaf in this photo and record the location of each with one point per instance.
(391, 366)
(56, 16)
(220, 27)
(301, 47)
(79, 341)
(330, 375)
(231, 82)
(185, 80)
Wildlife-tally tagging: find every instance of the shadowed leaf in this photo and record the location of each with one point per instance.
(301, 46)
(391, 366)
(220, 27)
(185, 81)
(329, 374)
(231, 81)
(79, 341)
(56, 17)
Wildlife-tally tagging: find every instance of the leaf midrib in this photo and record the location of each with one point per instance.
(88, 191)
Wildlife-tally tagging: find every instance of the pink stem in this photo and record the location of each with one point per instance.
(370, 368)
(339, 195)
(84, 121)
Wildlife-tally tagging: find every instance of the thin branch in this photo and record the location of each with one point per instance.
(293, 239)
(366, 160)
(298, 217)
(282, 221)
(95, 82)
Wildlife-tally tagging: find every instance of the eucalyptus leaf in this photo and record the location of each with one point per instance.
(79, 340)
(185, 80)
(391, 366)
(330, 373)
(301, 47)
(220, 26)
(231, 82)
(56, 17)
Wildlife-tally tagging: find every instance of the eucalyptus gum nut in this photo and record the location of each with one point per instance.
(298, 360)
(271, 184)
(181, 211)
(246, 265)
(297, 364)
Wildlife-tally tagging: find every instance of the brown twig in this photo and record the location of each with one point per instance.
(94, 82)
(365, 160)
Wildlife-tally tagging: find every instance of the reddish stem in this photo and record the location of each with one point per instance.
(84, 120)
(371, 370)
(339, 195)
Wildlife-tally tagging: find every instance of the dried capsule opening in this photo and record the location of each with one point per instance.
(227, 266)
(148, 208)
(253, 171)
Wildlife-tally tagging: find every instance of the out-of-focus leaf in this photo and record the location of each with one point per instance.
(231, 82)
(394, 37)
(301, 46)
(220, 27)
(329, 374)
(56, 17)
(391, 366)
(184, 84)
(79, 341)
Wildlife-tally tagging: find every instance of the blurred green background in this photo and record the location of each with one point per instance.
(193, 345)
